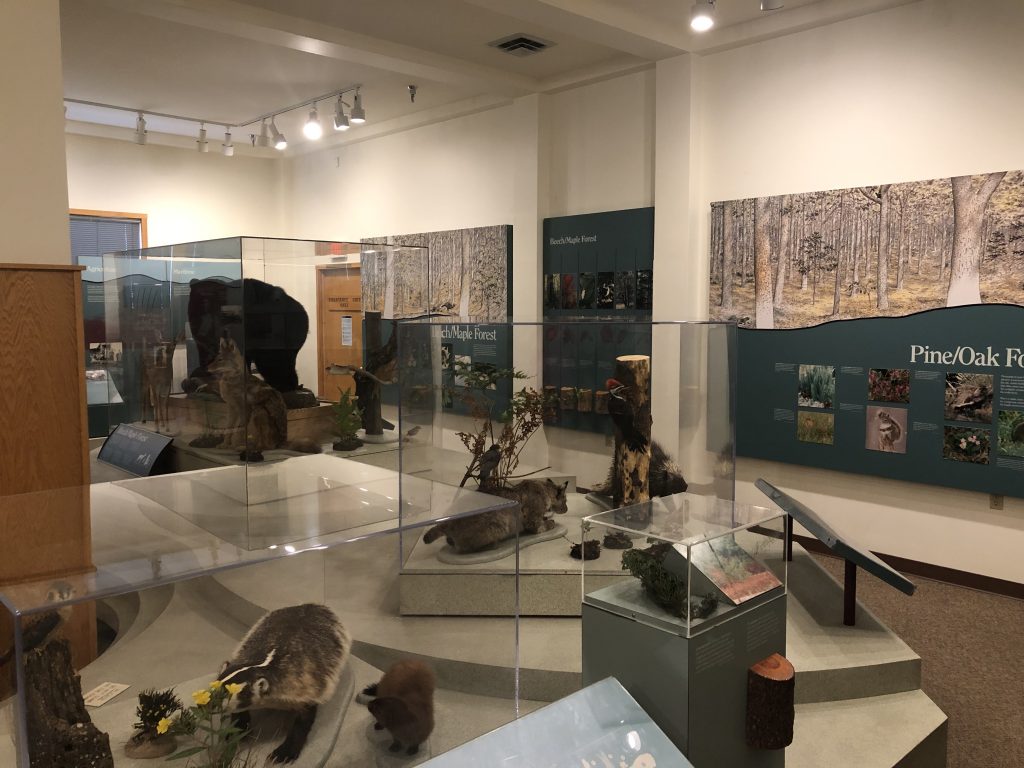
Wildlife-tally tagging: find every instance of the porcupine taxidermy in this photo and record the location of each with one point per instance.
(665, 477)
(404, 704)
(889, 431)
(292, 659)
(538, 500)
(39, 630)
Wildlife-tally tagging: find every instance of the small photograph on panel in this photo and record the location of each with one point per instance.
(446, 356)
(462, 363)
(645, 289)
(817, 386)
(969, 397)
(552, 291)
(568, 290)
(588, 291)
(1011, 433)
(605, 290)
(885, 429)
(816, 427)
(105, 353)
(889, 385)
(965, 444)
(625, 290)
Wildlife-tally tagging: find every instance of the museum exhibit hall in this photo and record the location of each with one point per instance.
(513, 383)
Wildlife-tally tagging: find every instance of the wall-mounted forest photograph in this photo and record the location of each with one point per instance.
(792, 261)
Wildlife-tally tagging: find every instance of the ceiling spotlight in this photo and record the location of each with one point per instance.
(702, 15)
(340, 118)
(312, 130)
(140, 129)
(201, 143)
(771, 5)
(263, 140)
(227, 147)
(358, 115)
(278, 138)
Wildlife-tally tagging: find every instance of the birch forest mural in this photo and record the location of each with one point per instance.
(463, 274)
(792, 261)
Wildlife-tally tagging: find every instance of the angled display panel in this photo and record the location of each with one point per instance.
(835, 541)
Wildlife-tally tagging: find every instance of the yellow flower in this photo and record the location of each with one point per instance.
(215, 685)
(201, 698)
(234, 688)
(164, 725)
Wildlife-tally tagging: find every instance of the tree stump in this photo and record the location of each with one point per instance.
(567, 397)
(601, 401)
(380, 360)
(771, 687)
(60, 732)
(550, 412)
(634, 463)
(585, 404)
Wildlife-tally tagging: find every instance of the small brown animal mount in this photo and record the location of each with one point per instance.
(404, 704)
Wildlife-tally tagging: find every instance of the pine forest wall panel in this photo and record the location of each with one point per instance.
(465, 275)
(797, 260)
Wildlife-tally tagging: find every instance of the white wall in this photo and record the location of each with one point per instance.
(601, 146)
(33, 217)
(926, 90)
(186, 195)
(448, 175)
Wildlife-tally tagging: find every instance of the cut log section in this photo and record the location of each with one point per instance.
(568, 398)
(633, 462)
(585, 404)
(60, 732)
(771, 687)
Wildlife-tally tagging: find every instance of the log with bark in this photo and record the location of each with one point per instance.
(60, 732)
(633, 452)
(771, 687)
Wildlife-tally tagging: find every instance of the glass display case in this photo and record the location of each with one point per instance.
(136, 597)
(493, 407)
(693, 562)
(602, 725)
(256, 359)
(168, 328)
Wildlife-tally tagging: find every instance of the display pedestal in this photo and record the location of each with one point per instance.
(693, 688)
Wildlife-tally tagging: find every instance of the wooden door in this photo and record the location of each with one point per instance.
(339, 325)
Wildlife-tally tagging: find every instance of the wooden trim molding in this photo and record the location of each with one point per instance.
(140, 217)
(928, 571)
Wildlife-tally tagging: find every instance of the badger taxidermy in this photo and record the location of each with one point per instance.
(292, 659)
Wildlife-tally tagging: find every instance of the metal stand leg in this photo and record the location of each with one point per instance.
(850, 594)
(789, 539)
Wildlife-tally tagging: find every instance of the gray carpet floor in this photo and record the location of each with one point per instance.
(970, 645)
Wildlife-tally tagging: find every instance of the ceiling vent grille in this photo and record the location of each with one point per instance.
(521, 45)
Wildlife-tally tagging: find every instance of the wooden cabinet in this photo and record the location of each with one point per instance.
(44, 459)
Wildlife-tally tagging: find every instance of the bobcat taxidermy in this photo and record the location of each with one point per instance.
(538, 500)
(257, 417)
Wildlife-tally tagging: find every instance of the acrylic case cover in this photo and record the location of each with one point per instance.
(687, 562)
(494, 407)
(249, 353)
